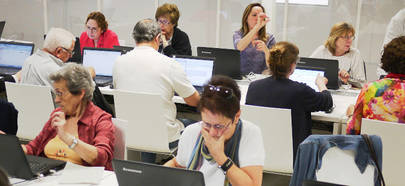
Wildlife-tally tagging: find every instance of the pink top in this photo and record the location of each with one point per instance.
(108, 39)
(94, 128)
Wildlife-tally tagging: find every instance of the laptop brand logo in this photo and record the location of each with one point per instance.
(206, 52)
(132, 170)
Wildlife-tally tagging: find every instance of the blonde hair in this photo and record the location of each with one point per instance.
(170, 10)
(338, 30)
(282, 55)
(245, 27)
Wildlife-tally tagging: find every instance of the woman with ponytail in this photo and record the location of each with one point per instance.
(281, 92)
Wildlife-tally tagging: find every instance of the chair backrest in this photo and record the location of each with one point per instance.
(338, 166)
(393, 140)
(34, 104)
(121, 126)
(276, 129)
(146, 123)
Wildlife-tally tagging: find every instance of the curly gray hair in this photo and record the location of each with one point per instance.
(77, 78)
(145, 30)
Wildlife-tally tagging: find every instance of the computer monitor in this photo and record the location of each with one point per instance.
(307, 76)
(13, 54)
(329, 66)
(101, 59)
(2, 24)
(227, 61)
(198, 69)
(124, 49)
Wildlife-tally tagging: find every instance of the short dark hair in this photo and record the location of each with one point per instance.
(169, 10)
(393, 58)
(282, 55)
(218, 104)
(99, 18)
(4, 181)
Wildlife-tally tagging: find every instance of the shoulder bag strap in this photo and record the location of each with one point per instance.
(373, 156)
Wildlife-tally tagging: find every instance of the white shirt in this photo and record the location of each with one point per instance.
(351, 62)
(251, 151)
(146, 70)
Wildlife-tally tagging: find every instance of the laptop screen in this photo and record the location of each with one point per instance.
(101, 59)
(198, 69)
(329, 66)
(227, 61)
(14, 54)
(307, 76)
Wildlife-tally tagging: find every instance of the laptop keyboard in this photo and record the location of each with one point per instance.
(37, 167)
(103, 80)
(8, 71)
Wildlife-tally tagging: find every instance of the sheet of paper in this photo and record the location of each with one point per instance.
(80, 174)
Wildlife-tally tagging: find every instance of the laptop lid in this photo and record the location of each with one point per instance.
(138, 173)
(307, 76)
(2, 24)
(124, 49)
(227, 61)
(13, 54)
(101, 59)
(199, 70)
(329, 66)
(15, 162)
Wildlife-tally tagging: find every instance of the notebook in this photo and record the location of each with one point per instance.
(227, 61)
(307, 76)
(18, 165)
(2, 24)
(13, 56)
(124, 49)
(329, 66)
(138, 173)
(198, 69)
(102, 60)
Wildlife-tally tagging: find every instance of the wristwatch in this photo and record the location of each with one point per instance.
(227, 165)
(74, 143)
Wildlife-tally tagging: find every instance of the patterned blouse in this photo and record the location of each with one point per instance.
(380, 100)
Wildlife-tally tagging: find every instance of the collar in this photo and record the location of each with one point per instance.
(88, 113)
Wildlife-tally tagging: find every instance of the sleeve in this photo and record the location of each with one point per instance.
(83, 38)
(186, 144)
(271, 42)
(316, 101)
(250, 95)
(36, 146)
(357, 72)
(180, 46)
(114, 41)
(104, 140)
(317, 52)
(354, 124)
(252, 135)
(236, 38)
(181, 84)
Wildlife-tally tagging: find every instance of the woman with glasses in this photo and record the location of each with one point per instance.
(226, 149)
(172, 40)
(77, 131)
(97, 33)
(252, 40)
(280, 92)
(338, 46)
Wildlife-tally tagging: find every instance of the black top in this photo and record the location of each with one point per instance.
(285, 93)
(8, 117)
(180, 44)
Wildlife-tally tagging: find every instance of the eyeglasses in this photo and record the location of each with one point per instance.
(58, 93)
(348, 37)
(224, 92)
(71, 53)
(163, 21)
(92, 29)
(218, 127)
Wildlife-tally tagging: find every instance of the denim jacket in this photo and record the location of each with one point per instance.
(312, 149)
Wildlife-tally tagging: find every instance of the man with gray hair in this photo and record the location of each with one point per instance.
(144, 69)
(58, 48)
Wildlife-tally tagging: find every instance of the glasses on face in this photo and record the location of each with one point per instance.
(71, 53)
(92, 29)
(163, 21)
(217, 127)
(224, 92)
(348, 37)
(58, 93)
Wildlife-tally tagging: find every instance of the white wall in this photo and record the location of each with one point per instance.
(307, 25)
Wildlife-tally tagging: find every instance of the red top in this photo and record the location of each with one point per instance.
(107, 40)
(94, 128)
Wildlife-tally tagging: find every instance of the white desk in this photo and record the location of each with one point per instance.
(109, 179)
(337, 116)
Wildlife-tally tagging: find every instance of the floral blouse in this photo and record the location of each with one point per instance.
(380, 100)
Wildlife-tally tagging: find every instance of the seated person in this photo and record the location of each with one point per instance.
(280, 92)
(226, 149)
(338, 46)
(252, 40)
(8, 117)
(77, 131)
(97, 33)
(383, 99)
(173, 40)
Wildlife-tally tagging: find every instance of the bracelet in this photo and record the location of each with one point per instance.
(227, 165)
(74, 143)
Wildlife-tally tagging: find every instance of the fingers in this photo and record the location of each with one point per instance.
(1, 132)
(58, 118)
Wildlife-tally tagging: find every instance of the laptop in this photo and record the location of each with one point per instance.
(77, 56)
(199, 70)
(18, 165)
(124, 49)
(13, 56)
(2, 24)
(307, 76)
(102, 60)
(138, 173)
(329, 66)
(227, 61)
